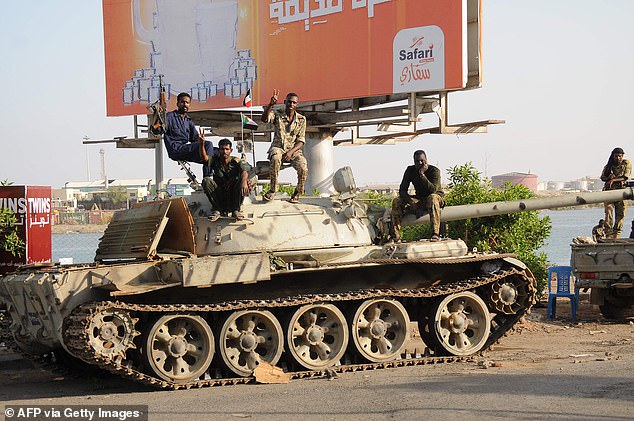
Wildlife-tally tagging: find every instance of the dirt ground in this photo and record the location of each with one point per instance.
(543, 370)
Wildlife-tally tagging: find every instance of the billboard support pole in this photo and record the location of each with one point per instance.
(442, 116)
(158, 168)
(319, 153)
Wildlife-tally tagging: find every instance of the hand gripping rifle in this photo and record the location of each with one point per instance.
(157, 109)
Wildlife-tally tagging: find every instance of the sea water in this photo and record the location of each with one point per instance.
(566, 225)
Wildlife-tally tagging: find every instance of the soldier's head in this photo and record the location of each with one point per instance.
(617, 155)
(601, 222)
(420, 158)
(291, 101)
(183, 100)
(225, 147)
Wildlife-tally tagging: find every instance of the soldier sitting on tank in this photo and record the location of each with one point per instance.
(289, 138)
(429, 196)
(230, 182)
(598, 232)
(181, 136)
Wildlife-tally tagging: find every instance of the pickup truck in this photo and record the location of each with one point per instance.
(607, 269)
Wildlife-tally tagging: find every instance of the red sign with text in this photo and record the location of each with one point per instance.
(219, 50)
(32, 208)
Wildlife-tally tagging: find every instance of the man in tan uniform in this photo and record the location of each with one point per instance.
(289, 138)
(615, 173)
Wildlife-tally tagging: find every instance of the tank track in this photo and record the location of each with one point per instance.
(77, 339)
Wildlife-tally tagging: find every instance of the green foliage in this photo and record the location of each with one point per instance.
(376, 198)
(118, 194)
(9, 239)
(520, 233)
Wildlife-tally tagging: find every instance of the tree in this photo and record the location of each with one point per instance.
(520, 233)
(118, 194)
(10, 241)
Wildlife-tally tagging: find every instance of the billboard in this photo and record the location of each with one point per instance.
(32, 208)
(322, 49)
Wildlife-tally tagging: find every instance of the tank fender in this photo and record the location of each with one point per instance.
(515, 262)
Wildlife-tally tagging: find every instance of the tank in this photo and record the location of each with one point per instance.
(174, 300)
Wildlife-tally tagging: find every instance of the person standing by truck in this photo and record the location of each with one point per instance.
(615, 174)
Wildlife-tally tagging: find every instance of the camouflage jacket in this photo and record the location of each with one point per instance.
(287, 132)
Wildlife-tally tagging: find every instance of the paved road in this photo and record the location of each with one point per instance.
(548, 371)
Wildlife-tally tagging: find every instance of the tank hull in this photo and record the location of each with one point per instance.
(175, 300)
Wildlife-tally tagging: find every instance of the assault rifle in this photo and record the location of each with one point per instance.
(156, 124)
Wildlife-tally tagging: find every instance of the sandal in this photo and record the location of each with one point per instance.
(435, 237)
(215, 215)
(238, 215)
(268, 196)
(295, 197)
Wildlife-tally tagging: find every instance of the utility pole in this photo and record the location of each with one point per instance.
(102, 153)
(87, 159)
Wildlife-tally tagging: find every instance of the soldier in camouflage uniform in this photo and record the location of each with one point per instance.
(429, 196)
(289, 138)
(615, 174)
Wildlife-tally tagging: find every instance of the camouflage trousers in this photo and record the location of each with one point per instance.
(227, 198)
(432, 204)
(614, 216)
(298, 162)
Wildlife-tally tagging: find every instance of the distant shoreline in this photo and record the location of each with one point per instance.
(78, 228)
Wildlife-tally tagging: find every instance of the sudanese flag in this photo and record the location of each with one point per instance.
(247, 123)
(247, 101)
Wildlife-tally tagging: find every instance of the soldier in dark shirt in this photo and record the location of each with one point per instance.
(429, 196)
(181, 136)
(230, 182)
(598, 232)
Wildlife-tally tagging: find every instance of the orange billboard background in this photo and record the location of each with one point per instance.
(322, 49)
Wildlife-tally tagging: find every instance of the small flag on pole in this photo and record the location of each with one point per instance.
(247, 123)
(247, 101)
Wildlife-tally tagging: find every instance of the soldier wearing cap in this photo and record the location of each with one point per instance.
(615, 173)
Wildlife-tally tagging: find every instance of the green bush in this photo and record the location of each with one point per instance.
(9, 239)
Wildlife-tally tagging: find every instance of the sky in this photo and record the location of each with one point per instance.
(558, 72)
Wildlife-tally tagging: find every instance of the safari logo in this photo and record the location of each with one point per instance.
(419, 59)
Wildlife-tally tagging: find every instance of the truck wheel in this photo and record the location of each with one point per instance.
(613, 311)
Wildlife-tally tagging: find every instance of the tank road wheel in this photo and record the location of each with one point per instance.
(112, 332)
(317, 336)
(248, 337)
(179, 347)
(508, 296)
(462, 323)
(379, 329)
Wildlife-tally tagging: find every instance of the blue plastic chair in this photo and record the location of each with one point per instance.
(563, 275)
